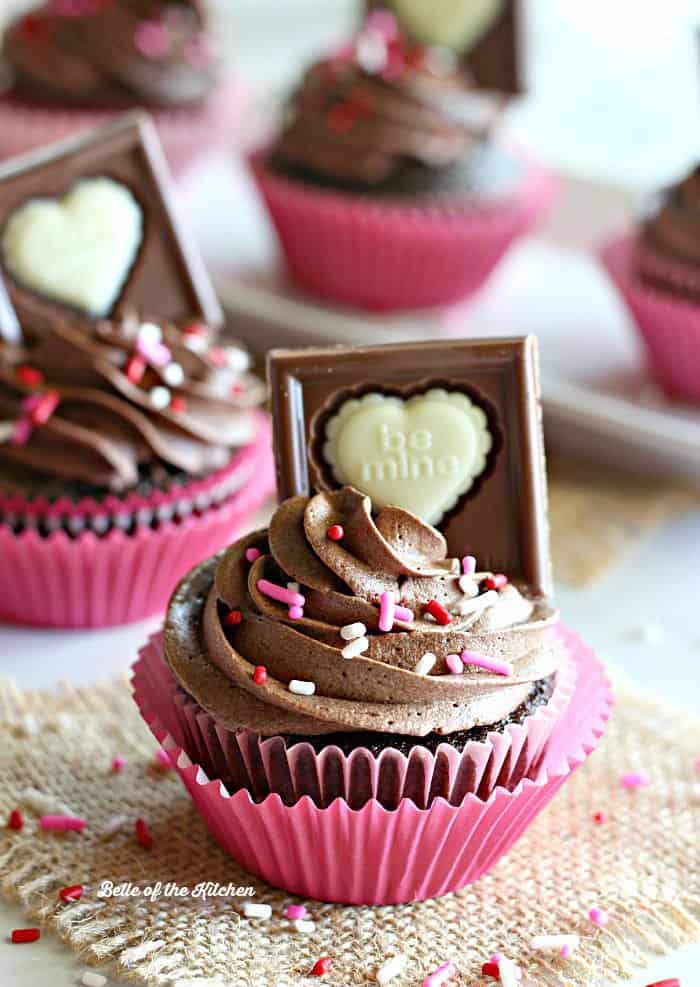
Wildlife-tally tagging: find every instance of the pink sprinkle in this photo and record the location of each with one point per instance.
(163, 759)
(118, 762)
(296, 613)
(598, 917)
(21, 432)
(490, 664)
(565, 951)
(403, 613)
(387, 608)
(635, 779)
(281, 593)
(76, 823)
(156, 354)
(295, 912)
(252, 554)
(468, 565)
(152, 39)
(454, 664)
(384, 23)
(441, 975)
(697, 764)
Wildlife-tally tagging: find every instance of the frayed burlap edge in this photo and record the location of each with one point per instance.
(642, 866)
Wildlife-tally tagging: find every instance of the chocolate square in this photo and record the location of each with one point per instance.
(167, 280)
(494, 60)
(481, 421)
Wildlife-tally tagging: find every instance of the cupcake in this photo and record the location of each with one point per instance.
(385, 186)
(657, 271)
(127, 453)
(381, 720)
(70, 64)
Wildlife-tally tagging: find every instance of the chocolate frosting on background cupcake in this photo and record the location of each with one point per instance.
(227, 618)
(668, 245)
(125, 402)
(112, 53)
(385, 115)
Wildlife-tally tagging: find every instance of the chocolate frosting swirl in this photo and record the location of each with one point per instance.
(188, 406)
(673, 225)
(114, 53)
(342, 583)
(379, 108)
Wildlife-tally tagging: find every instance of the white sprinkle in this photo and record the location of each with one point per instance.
(478, 603)
(160, 397)
(28, 725)
(195, 342)
(554, 942)
(352, 631)
(92, 979)
(253, 910)
(149, 332)
(468, 586)
(426, 663)
(237, 358)
(391, 968)
(508, 972)
(301, 688)
(371, 53)
(115, 824)
(173, 374)
(355, 647)
(304, 925)
(294, 587)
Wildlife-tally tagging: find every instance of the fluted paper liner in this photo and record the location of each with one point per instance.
(669, 323)
(55, 580)
(374, 855)
(394, 255)
(185, 133)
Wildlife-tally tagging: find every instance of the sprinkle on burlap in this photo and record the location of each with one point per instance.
(642, 866)
(597, 513)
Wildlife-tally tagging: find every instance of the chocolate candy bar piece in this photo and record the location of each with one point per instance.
(450, 430)
(88, 230)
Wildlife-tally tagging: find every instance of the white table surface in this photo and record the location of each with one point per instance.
(653, 585)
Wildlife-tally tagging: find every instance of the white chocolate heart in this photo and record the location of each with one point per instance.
(455, 24)
(79, 249)
(422, 454)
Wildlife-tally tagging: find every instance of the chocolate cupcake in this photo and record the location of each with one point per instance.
(657, 270)
(70, 63)
(386, 154)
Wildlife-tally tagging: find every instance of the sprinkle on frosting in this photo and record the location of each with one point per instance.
(260, 675)
(555, 943)
(302, 688)
(254, 909)
(440, 976)
(391, 968)
(635, 779)
(494, 665)
(321, 967)
(426, 663)
(598, 917)
(468, 565)
(352, 631)
(438, 612)
(252, 554)
(355, 647)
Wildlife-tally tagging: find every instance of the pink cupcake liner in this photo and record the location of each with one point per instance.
(374, 855)
(185, 134)
(387, 255)
(242, 760)
(669, 324)
(91, 581)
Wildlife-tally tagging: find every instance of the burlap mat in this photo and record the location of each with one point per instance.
(597, 513)
(642, 866)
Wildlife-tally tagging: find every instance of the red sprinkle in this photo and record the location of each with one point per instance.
(72, 893)
(673, 982)
(321, 966)
(25, 935)
(260, 675)
(44, 408)
(237, 390)
(497, 581)
(491, 970)
(196, 329)
(233, 618)
(336, 532)
(29, 376)
(217, 356)
(178, 403)
(142, 834)
(437, 611)
(135, 368)
(15, 821)
(600, 817)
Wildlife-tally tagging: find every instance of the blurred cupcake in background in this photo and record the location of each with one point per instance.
(70, 64)
(657, 270)
(385, 185)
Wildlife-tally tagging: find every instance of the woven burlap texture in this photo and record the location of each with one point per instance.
(642, 866)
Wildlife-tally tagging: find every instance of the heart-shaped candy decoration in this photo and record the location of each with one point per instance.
(455, 24)
(77, 250)
(422, 454)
